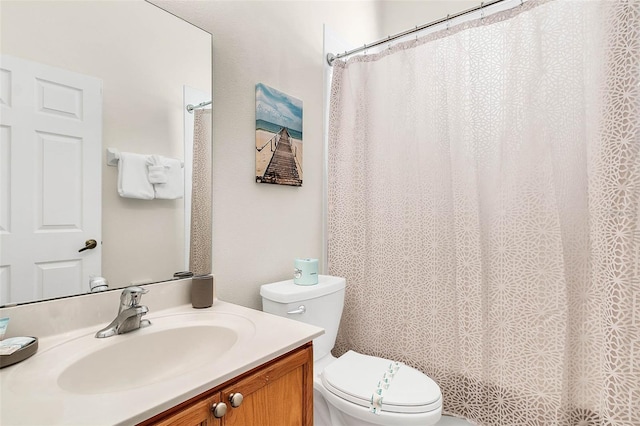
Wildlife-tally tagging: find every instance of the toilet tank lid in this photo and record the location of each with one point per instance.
(287, 291)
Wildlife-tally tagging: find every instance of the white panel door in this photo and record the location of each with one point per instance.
(50, 187)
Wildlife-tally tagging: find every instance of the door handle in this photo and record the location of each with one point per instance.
(89, 245)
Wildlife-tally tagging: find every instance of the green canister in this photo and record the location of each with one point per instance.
(305, 271)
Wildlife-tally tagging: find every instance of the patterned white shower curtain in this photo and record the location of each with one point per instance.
(201, 214)
(484, 192)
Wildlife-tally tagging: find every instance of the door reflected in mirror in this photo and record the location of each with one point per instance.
(100, 75)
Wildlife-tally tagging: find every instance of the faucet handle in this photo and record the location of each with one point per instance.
(131, 295)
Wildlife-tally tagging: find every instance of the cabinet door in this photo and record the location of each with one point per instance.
(197, 413)
(281, 394)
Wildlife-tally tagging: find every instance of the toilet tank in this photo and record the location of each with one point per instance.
(320, 305)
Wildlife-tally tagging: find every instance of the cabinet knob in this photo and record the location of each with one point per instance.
(235, 399)
(219, 409)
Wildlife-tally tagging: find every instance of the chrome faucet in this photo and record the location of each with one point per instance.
(130, 313)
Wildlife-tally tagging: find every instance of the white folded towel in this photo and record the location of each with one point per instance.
(173, 188)
(132, 177)
(157, 174)
(157, 171)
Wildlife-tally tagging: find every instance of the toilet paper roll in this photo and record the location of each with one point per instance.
(305, 271)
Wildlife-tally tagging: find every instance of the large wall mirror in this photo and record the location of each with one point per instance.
(77, 78)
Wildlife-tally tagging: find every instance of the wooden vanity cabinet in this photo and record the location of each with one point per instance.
(277, 393)
(197, 413)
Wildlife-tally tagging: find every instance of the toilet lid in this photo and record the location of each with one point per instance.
(355, 377)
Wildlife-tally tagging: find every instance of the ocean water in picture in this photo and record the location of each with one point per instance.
(275, 128)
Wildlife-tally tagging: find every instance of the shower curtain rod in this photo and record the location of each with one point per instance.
(331, 57)
(190, 107)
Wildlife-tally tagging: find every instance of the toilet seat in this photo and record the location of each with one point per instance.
(355, 378)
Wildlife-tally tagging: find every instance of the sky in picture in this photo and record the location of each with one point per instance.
(278, 108)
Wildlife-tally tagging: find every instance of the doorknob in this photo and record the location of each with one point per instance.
(89, 244)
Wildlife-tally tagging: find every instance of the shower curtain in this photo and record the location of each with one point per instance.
(200, 249)
(483, 205)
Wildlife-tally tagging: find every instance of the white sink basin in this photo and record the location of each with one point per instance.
(148, 358)
(170, 348)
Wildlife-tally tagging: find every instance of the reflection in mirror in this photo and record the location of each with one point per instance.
(98, 75)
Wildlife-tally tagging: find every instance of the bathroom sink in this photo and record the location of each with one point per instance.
(146, 359)
(76, 379)
(171, 348)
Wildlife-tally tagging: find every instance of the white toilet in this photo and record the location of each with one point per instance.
(355, 389)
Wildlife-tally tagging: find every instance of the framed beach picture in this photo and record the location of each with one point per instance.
(278, 137)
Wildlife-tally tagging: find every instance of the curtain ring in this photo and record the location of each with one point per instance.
(448, 21)
(481, 10)
(416, 30)
(364, 49)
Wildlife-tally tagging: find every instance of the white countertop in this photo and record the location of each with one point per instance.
(28, 396)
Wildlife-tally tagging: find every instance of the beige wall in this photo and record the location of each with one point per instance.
(259, 229)
(144, 57)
